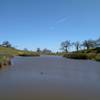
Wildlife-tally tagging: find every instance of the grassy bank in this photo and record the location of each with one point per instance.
(5, 60)
(16, 52)
(92, 54)
(7, 53)
(27, 53)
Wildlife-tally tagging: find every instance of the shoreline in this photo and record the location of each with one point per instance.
(5, 61)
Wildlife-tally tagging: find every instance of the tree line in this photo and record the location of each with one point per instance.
(86, 44)
(44, 51)
(65, 45)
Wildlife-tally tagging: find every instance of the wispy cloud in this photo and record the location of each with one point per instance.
(59, 21)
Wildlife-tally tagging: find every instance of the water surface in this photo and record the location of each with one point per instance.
(50, 78)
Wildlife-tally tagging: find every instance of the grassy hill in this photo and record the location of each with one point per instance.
(16, 52)
(7, 53)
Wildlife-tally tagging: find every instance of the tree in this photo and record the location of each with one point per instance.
(38, 50)
(46, 51)
(92, 43)
(6, 44)
(85, 44)
(77, 45)
(65, 45)
(25, 49)
(98, 42)
(89, 44)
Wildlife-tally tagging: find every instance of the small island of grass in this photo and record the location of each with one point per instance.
(88, 49)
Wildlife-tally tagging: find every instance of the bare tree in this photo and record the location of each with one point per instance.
(65, 45)
(77, 45)
(89, 44)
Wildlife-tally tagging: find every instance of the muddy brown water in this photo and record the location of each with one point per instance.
(50, 78)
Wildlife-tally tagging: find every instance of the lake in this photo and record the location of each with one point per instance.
(50, 78)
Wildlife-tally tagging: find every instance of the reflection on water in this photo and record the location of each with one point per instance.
(50, 78)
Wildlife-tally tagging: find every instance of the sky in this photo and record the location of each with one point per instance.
(46, 23)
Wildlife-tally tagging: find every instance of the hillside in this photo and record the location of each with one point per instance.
(7, 53)
(16, 52)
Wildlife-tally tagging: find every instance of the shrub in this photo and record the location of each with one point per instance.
(4, 61)
(91, 55)
(28, 54)
(97, 58)
(97, 49)
(1, 64)
(76, 55)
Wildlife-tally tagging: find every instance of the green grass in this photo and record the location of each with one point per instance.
(76, 55)
(14, 52)
(97, 58)
(7, 53)
(5, 60)
(92, 54)
(1, 58)
(27, 53)
(94, 50)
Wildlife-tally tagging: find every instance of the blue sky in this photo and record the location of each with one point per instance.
(46, 23)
